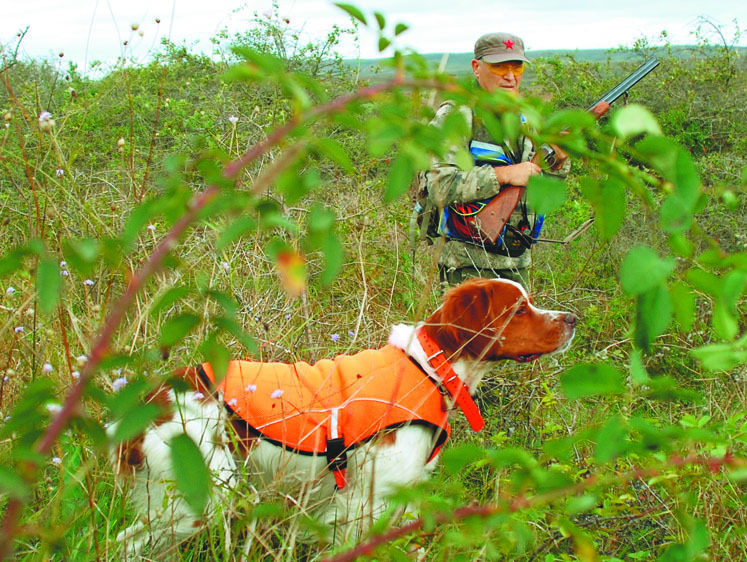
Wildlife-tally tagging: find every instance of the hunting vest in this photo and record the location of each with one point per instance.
(334, 405)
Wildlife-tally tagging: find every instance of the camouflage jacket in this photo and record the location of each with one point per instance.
(445, 183)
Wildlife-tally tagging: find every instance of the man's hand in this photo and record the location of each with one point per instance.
(516, 174)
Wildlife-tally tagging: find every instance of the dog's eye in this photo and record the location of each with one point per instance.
(522, 309)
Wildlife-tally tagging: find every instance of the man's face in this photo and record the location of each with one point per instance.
(500, 77)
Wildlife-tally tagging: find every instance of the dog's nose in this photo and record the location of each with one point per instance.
(571, 319)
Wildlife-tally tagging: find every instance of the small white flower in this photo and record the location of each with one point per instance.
(18, 329)
(64, 273)
(251, 388)
(121, 142)
(198, 396)
(119, 384)
(76, 375)
(47, 368)
(46, 123)
(6, 378)
(82, 360)
(56, 460)
(10, 290)
(88, 282)
(225, 265)
(152, 227)
(63, 264)
(233, 119)
(277, 393)
(232, 402)
(60, 172)
(54, 409)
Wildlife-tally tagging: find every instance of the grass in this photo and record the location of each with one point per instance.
(648, 503)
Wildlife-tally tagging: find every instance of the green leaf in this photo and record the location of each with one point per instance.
(455, 459)
(380, 20)
(724, 322)
(685, 306)
(383, 44)
(638, 372)
(48, 283)
(12, 485)
(400, 177)
(335, 152)
(135, 421)
(13, 260)
(611, 440)
(191, 474)
(608, 201)
(675, 216)
(653, 315)
(82, 254)
(352, 11)
(176, 329)
(235, 230)
(333, 258)
(586, 379)
(230, 325)
(581, 504)
(642, 270)
(545, 194)
(633, 120)
(681, 245)
(170, 297)
(400, 28)
(217, 355)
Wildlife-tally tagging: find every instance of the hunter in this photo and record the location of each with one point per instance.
(499, 63)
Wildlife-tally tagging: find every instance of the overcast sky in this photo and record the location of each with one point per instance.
(88, 30)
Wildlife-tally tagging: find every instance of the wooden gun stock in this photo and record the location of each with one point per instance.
(599, 109)
(492, 219)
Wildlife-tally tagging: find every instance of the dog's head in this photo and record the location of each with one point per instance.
(492, 319)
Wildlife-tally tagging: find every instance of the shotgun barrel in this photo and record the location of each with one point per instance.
(600, 107)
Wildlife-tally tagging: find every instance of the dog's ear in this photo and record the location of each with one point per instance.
(466, 310)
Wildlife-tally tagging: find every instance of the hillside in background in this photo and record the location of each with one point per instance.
(458, 64)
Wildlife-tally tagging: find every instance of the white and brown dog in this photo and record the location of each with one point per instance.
(340, 436)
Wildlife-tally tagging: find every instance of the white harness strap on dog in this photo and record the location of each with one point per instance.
(336, 456)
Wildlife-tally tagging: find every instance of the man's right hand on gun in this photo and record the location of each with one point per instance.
(517, 174)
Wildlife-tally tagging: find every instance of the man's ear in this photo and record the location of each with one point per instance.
(476, 68)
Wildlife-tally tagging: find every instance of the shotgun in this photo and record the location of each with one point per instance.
(491, 220)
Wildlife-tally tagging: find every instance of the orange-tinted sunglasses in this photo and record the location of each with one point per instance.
(503, 68)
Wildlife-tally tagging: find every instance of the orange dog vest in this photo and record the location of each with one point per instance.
(332, 405)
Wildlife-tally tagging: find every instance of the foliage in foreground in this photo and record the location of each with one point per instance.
(180, 211)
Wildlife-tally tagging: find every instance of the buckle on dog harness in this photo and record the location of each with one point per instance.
(337, 459)
(451, 381)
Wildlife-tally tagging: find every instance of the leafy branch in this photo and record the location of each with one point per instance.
(102, 344)
(523, 502)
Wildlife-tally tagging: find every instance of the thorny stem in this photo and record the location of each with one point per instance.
(14, 509)
(521, 502)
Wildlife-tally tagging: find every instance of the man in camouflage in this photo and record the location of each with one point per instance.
(498, 64)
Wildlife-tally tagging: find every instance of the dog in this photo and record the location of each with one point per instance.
(339, 437)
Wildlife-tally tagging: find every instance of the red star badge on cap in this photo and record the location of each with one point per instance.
(509, 44)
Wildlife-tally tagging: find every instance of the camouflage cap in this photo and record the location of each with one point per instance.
(500, 47)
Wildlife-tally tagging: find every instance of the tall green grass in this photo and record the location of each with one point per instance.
(126, 153)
